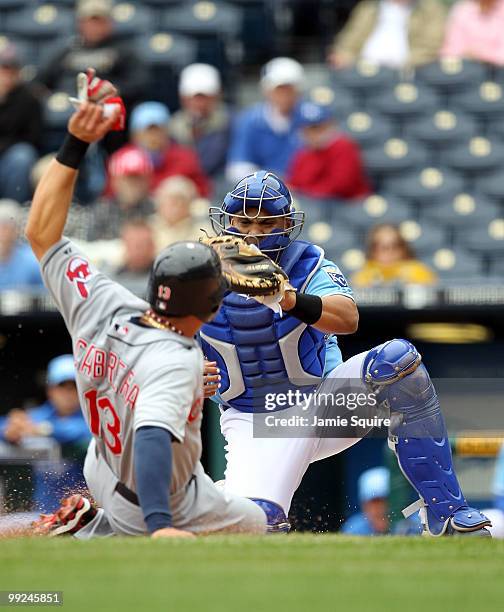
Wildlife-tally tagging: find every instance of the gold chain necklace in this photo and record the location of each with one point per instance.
(152, 319)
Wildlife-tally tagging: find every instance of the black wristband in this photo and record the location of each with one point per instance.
(72, 151)
(308, 308)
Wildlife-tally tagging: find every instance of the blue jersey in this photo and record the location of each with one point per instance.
(254, 140)
(329, 280)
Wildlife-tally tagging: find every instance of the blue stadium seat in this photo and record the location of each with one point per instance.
(452, 74)
(57, 111)
(424, 238)
(454, 264)
(491, 185)
(132, 19)
(8, 5)
(365, 79)
(376, 209)
(40, 22)
(485, 102)
(196, 17)
(367, 129)
(348, 260)
(477, 155)
(163, 49)
(487, 240)
(497, 267)
(330, 236)
(216, 25)
(393, 158)
(426, 186)
(405, 101)
(341, 101)
(162, 3)
(166, 54)
(464, 211)
(442, 129)
(315, 209)
(26, 50)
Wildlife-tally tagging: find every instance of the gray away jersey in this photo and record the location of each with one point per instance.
(128, 376)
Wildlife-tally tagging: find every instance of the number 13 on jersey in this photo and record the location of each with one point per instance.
(103, 420)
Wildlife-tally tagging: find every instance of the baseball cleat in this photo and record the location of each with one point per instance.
(75, 512)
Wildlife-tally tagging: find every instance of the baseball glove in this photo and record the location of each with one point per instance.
(247, 270)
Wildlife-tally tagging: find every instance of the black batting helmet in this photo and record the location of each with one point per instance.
(186, 279)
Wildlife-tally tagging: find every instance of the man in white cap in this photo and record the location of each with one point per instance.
(203, 122)
(266, 135)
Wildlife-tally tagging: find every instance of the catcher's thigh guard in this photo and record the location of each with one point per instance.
(417, 435)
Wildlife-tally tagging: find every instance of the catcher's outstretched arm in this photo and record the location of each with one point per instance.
(53, 196)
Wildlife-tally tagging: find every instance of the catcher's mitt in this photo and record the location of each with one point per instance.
(246, 269)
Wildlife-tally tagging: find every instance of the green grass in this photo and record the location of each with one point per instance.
(278, 574)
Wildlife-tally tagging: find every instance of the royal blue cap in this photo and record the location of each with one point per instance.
(311, 113)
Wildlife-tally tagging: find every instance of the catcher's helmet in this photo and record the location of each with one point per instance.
(186, 279)
(265, 192)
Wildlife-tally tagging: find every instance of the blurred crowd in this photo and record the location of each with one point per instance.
(140, 189)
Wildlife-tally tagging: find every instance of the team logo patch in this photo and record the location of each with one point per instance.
(78, 273)
(336, 276)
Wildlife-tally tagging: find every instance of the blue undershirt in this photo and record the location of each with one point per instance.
(153, 472)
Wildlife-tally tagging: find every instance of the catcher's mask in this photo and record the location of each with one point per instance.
(186, 279)
(265, 192)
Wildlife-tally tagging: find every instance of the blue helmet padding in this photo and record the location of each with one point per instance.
(268, 178)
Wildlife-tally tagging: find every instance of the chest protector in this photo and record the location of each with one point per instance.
(259, 352)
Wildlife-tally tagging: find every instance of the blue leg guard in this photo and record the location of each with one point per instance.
(277, 521)
(418, 436)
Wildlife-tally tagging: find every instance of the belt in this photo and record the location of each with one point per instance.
(121, 488)
(128, 494)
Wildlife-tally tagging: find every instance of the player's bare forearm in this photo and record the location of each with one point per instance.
(53, 196)
(339, 315)
(49, 209)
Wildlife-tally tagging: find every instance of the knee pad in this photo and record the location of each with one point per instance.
(276, 520)
(418, 436)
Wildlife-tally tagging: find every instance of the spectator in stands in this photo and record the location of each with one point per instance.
(19, 268)
(139, 253)
(393, 33)
(390, 260)
(174, 219)
(373, 489)
(475, 30)
(20, 128)
(203, 122)
(130, 173)
(96, 45)
(330, 164)
(150, 133)
(57, 422)
(266, 135)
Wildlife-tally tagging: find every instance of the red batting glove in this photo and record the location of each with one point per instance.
(100, 91)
